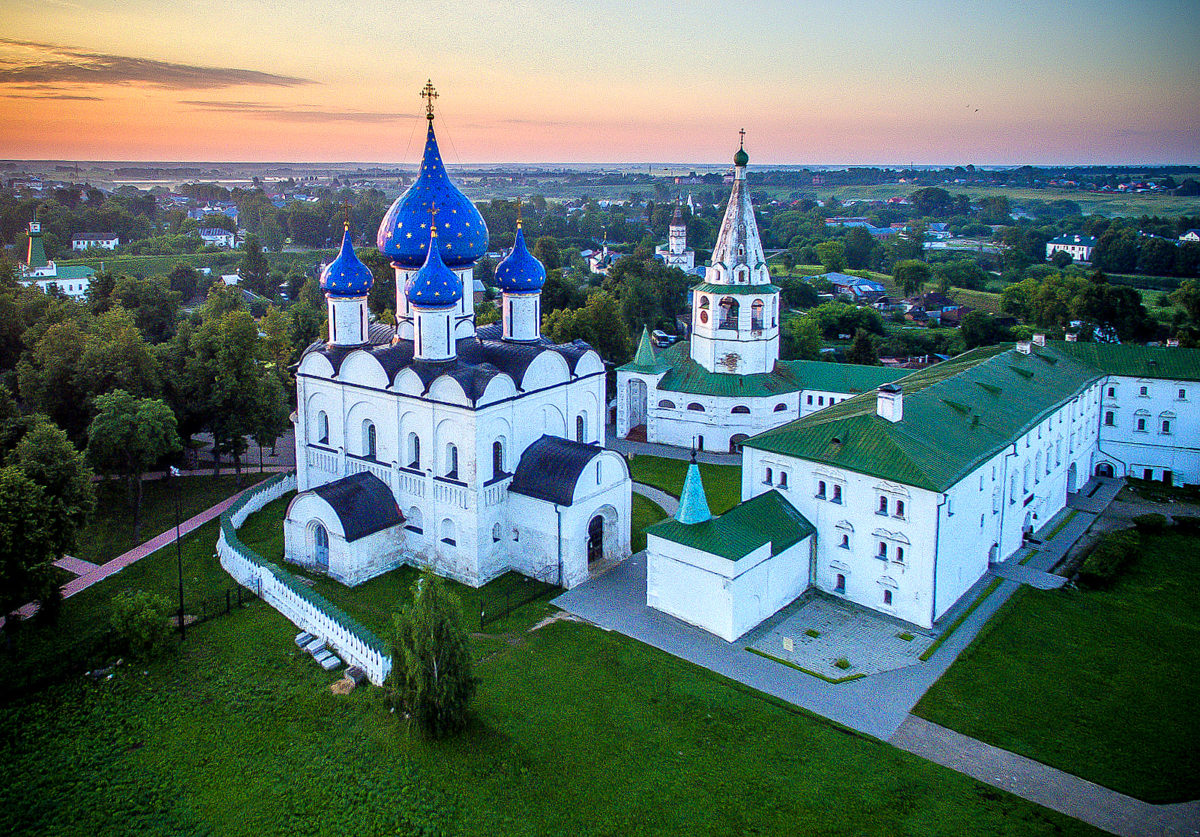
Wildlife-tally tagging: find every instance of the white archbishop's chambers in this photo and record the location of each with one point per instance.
(899, 499)
(468, 451)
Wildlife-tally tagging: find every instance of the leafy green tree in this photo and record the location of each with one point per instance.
(832, 255)
(978, 328)
(862, 350)
(128, 436)
(801, 339)
(961, 273)
(911, 275)
(486, 313)
(141, 621)
(45, 455)
(1061, 259)
(48, 376)
(272, 233)
(185, 280)
(155, 307)
(431, 680)
(255, 270)
(116, 357)
(276, 327)
(28, 545)
(598, 322)
(547, 251)
(860, 249)
(1187, 296)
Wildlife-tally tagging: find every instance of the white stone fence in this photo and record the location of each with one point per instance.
(303, 606)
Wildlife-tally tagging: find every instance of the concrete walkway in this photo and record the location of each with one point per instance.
(1013, 571)
(1045, 785)
(656, 495)
(75, 565)
(103, 571)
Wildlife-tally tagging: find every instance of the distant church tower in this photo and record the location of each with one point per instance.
(735, 311)
(676, 253)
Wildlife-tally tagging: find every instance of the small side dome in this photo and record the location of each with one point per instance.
(403, 235)
(519, 272)
(434, 285)
(346, 275)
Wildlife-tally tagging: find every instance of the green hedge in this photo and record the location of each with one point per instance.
(1107, 557)
(1151, 523)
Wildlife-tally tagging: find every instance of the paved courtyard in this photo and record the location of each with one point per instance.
(815, 633)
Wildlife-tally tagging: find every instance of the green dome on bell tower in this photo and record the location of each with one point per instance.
(741, 158)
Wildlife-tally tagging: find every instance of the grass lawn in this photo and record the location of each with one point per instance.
(644, 513)
(111, 531)
(722, 483)
(1102, 684)
(576, 731)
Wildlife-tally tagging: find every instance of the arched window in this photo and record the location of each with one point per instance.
(1037, 468)
(899, 508)
(452, 461)
(783, 479)
(740, 409)
(837, 494)
(779, 408)
(1166, 425)
(497, 459)
(900, 554)
(369, 448)
(1109, 418)
(729, 313)
(703, 315)
(448, 532)
(882, 549)
(756, 315)
(845, 544)
(414, 450)
(887, 597)
(821, 489)
(666, 405)
(580, 429)
(1025, 481)
(496, 533)
(882, 505)
(770, 480)
(774, 311)
(412, 520)
(840, 584)
(322, 428)
(699, 408)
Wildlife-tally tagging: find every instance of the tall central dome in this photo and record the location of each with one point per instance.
(404, 232)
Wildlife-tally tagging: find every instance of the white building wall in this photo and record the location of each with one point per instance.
(1133, 452)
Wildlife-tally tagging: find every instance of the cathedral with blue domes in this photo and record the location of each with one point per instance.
(468, 451)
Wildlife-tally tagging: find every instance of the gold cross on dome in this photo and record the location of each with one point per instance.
(428, 93)
(741, 137)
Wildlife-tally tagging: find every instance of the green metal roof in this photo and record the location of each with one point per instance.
(957, 414)
(735, 290)
(645, 360)
(35, 256)
(1137, 361)
(74, 272)
(742, 529)
(687, 376)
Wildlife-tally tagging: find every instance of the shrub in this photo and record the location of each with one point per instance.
(141, 623)
(1107, 557)
(1150, 523)
(842, 663)
(1187, 523)
(431, 678)
(814, 633)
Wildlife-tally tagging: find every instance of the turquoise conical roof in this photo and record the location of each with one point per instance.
(693, 505)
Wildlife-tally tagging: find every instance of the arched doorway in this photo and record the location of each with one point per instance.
(595, 541)
(1072, 479)
(735, 442)
(321, 546)
(1027, 526)
(1104, 469)
(637, 402)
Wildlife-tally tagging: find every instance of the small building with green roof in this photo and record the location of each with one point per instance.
(726, 574)
(72, 280)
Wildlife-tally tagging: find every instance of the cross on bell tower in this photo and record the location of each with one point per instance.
(742, 138)
(428, 93)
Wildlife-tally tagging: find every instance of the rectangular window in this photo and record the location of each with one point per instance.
(810, 399)
(1108, 419)
(820, 400)
(883, 550)
(1182, 394)
(1166, 426)
(899, 509)
(1141, 425)
(882, 505)
(1144, 392)
(1112, 392)
(821, 490)
(887, 597)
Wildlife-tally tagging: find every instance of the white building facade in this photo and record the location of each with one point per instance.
(103, 241)
(912, 495)
(676, 253)
(727, 383)
(486, 443)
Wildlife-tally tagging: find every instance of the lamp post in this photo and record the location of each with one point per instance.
(178, 550)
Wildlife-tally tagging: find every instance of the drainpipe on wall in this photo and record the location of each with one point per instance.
(558, 511)
(937, 536)
(1004, 489)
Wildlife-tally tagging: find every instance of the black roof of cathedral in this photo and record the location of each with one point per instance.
(479, 358)
(363, 503)
(550, 467)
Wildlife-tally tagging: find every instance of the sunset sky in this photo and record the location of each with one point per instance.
(603, 81)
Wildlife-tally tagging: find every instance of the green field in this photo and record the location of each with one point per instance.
(219, 262)
(1101, 684)
(575, 731)
(110, 531)
(722, 483)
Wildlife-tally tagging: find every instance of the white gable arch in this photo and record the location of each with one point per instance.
(547, 369)
(449, 390)
(589, 364)
(498, 389)
(408, 382)
(362, 367)
(316, 364)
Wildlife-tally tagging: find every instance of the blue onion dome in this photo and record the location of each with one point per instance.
(434, 285)
(404, 232)
(346, 275)
(519, 272)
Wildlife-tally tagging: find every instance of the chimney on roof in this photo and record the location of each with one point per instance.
(889, 402)
(1024, 347)
(1039, 339)
(1172, 342)
(1072, 337)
